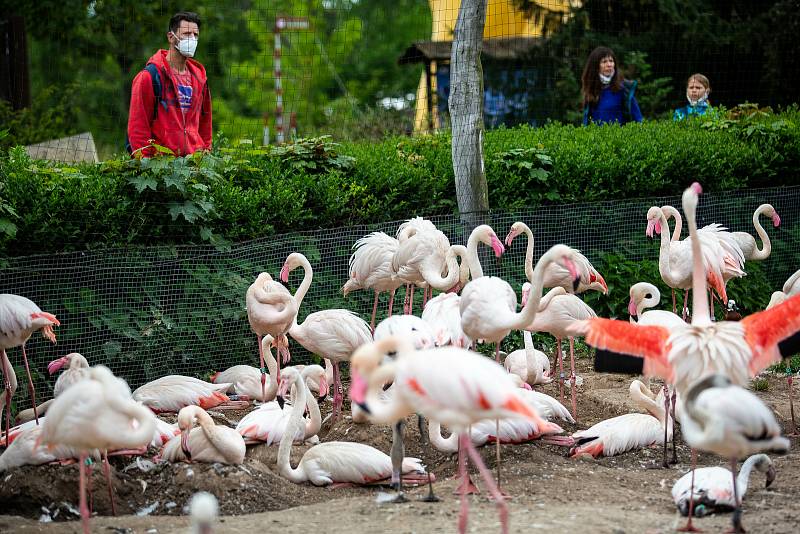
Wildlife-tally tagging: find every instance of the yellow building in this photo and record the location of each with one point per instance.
(506, 29)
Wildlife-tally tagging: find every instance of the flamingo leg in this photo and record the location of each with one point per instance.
(405, 301)
(411, 301)
(466, 484)
(560, 369)
(30, 384)
(463, 440)
(711, 306)
(430, 497)
(573, 379)
(497, 421)
(337, 394)
(737, 511)
(674, 439)
(685, 304)
(89, 464)
(391, 301)
(493, 489)
(423, 430)
(397, 454)
(789, 381)
(665, 464)
(84, 509)
(688, 527)
(674, 304)
(7, 383)
(263, 368)
(374, 312)
(107, 472)
(425, 295)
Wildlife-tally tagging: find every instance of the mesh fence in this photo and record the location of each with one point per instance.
(148, 312)
(359, 69)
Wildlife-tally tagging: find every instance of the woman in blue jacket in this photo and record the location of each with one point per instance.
(607, 97)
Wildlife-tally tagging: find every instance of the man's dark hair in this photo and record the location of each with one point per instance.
(188, 16)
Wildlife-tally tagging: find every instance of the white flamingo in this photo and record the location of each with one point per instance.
(19, 319)
(24, 450)
(333, 334)
(77, 370)
(625, 432)
(172, 392)
(443, 315)
(530, 364)
(333, 461)
(713, 488)
(453, 386)
(555, 275)
(790, 288)
(208, 442)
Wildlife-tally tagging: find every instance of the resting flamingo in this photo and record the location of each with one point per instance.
(271, 310)
(333, 334)
(443, 315)
(172, 392)
(555, 275)
(557, 311)
(530, 364)
(790, 288)
(546, 406)
(77, 370)
(97, 413)
(268, 423)
(208, 443)
(370, 267)
(625, 432)
(643, 296)
(24, 451)
(453, 386)
(686, 353)
(713, 490)
(334, 461)
(19, 319)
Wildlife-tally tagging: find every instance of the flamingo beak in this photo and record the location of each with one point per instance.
(497, 246)
(284, 276)
(527, 386)
(776, 219)
(770, 476)
(358, 390)
(323, 387)
(55, 365)
(632, 310)
(510, 237)
(185, 445)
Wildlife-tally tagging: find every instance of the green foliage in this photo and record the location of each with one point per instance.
(51, 115)
(652, 94)
(312, 156)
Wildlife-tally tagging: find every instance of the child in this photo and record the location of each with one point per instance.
(697, 91)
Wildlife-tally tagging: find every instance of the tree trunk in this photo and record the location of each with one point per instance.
(466, 113)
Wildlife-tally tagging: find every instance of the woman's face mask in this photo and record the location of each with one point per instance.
(186, 46)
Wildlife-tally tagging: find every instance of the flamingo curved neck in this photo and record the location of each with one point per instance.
(645, 402)
(700, 309)
(272, 369)
(473, 261)
(528, 253)
(448, 444)
(670, 212)
(664, 252)
(744, 475)
(522, 319)
(315, 420)
(308, 275)
(434, 276)
(766, 245)
(293, 427)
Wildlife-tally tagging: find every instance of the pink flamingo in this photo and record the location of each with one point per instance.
(790, 288)
(209, 443)
(333, 334)
(443, 315)
(371, 268)
(268, 423)
(173, 392)
(77, 370)
(453, 386)
(685, 354)
(25, 451)
(97, 413)
(557, 311)
(19, 319)
(555, 275)
(625, 432)
(270, 311)
(334, 461)
(530, 364)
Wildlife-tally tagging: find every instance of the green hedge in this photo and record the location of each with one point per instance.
(243, 192)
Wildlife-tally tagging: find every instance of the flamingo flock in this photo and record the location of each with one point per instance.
(428, 365)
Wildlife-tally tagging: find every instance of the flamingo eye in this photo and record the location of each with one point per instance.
(647, 296)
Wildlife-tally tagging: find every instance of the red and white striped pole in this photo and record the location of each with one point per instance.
(282, 23)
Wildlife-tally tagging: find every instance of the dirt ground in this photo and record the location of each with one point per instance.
(623, 494)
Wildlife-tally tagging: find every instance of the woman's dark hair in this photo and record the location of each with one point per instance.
(590, 80)
(188, 16)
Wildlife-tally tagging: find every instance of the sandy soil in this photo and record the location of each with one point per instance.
(548, 490)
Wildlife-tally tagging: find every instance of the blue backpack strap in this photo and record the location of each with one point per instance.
(155, 77)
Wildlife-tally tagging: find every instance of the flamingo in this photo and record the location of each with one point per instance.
(370, 267)
(731, 421)
(745, 240)
(268, 423)
(531, 365)
(173, 392)
(164, 432)
(511, 431)
(453, 386)
(713, 490)
(790, 288)
(24, 451)
(209, 443)
(625, 432)
(204, 509)
(10, 379)
(645, 295)
(19, 319)
(77, 370)
(271, 310)
(546, 406)
(557, 311)
(333, 334)
(98, 413)
(443, 315)
(686, 353)
(555, 275)
(333, 461)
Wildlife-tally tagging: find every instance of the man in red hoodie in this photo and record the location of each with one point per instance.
(181, 118)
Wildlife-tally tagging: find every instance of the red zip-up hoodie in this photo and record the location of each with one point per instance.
(181, 133)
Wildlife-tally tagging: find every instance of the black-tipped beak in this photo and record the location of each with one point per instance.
(770, 476)
(364, 407)
(281, 401)
(635, 317)
(575, 283)
(322, 398)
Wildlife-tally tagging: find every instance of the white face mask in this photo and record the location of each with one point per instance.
(186, 46)
(702, 100)
(606, 79)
